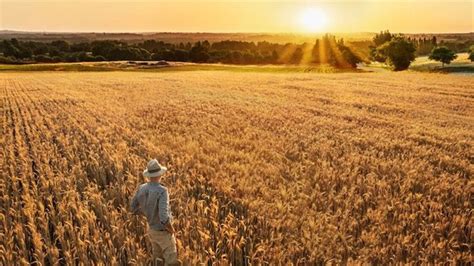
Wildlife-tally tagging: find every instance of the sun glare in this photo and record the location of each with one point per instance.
(312, 20)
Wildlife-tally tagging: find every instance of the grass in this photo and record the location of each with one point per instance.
(460, 65)
(55, 67)
(121, 66)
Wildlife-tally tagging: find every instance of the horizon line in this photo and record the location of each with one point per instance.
(223, 32)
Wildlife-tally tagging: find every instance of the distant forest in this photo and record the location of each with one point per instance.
(327, 49)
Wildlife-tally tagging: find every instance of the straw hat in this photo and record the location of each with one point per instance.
(154, 169)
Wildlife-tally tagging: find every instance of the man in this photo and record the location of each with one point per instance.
(152, 201)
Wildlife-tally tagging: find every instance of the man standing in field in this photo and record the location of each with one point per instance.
(152, 201)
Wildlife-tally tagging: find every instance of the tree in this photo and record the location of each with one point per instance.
(61, 45)
(206, 45)
(471, 53)
(399, 53)
(328, 50)
(296, 56)
(274, 57)
(443, 55)
(13, 48)
(80, 47)
(379, 40)
(199, 53)
(325, 50)
(382, 38)
(181, 55)
(128, 53)
(350, 58)
(9, 49)
(103, 48)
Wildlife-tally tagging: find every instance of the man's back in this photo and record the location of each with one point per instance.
(152, 200)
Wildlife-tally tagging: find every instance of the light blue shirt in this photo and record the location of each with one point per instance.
(152, 201)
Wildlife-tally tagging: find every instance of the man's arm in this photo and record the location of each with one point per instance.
(163, 206)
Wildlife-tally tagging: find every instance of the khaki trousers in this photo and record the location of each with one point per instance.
(164, 247)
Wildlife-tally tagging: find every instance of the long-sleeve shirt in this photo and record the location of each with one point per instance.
(152, 200)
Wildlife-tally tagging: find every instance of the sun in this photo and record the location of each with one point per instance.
(312, 20)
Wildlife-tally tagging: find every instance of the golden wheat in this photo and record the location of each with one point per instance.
(264, 168)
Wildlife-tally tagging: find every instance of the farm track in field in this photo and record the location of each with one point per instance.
(332, 162)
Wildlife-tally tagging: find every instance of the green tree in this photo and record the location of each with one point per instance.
(379, 40)
(199, 53)
(103, 48)
(9, 49)
(61, 45)
(399, 53)
(382, 38)
(443, 55)
(471, 53)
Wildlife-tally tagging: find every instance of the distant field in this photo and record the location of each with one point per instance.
(177, 37)
(461, 65)
(264, 167)
(173, 67)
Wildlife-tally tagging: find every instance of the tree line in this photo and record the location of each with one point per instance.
(395, 50)
(399, 52)
(326, 50)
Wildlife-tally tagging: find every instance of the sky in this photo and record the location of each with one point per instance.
(407, 16)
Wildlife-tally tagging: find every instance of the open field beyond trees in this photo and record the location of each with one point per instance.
(264, 167)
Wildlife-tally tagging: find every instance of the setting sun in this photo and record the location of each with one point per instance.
(313, 20)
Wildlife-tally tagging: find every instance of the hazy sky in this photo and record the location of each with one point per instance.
(237, 16)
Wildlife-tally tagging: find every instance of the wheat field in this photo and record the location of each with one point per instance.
(265, 168)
